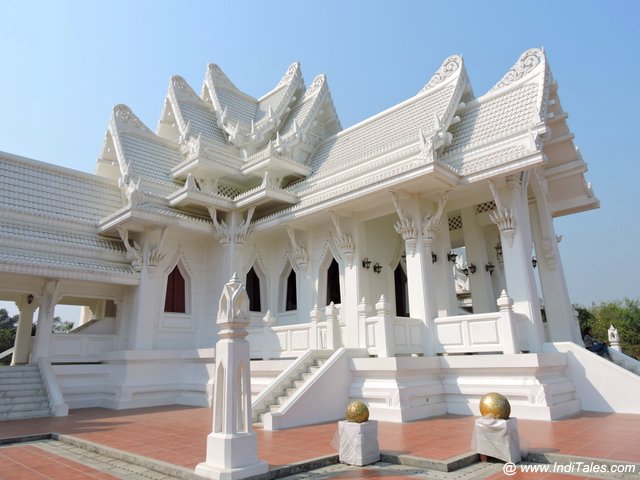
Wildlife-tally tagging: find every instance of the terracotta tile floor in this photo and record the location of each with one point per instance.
(178, 435)
(24, 462)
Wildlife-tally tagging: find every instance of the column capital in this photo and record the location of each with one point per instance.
(343, 240)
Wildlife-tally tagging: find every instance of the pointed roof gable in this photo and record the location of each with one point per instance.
(430, 110)
(140, 152)
(250, 122)
(514, 106)
(190, 113)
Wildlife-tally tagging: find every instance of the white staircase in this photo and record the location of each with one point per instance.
(288, 382)
(22, 393)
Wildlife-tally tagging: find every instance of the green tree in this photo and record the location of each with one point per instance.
(8, 326)
(625, 316)
(61, 326)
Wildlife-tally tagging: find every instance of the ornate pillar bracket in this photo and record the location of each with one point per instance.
(405, 226)
(134, 251)
(154, 254)
(431, 222)
(298, 250)
(343, 240)
(228, 234)
(502, 216)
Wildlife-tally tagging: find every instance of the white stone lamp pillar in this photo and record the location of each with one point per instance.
(232, 448)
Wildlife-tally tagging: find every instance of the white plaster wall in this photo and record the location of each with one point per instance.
(398, 389)
(133, 379)
(383, 246)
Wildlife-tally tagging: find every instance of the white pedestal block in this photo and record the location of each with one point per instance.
(358, 442)
(497, 438)
(231, 457)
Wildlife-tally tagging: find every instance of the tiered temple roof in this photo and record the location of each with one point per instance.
(285, 154)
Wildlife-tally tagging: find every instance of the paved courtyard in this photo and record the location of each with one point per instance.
(107, 444)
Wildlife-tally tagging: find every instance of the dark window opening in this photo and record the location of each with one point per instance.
(253, 290)
(174, 300)
(402, 293)
(292, 294)
(333, 283)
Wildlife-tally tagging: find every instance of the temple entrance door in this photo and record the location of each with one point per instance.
(401, 290)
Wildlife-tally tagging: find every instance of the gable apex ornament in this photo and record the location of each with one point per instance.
(527, 62)
(125, 116)
(451, 65)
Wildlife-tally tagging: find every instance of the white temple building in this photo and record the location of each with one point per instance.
(409, 261)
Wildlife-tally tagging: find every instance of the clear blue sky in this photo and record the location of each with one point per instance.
(65, 64)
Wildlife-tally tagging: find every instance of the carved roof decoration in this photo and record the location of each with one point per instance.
(284, 154)
(527, 62)
(446, 70)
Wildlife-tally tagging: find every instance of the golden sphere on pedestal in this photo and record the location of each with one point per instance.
(495, 405)
(357, 412)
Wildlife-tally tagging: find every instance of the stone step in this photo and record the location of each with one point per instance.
(21, 385)
(282, 400)
(306, 376)
(313, 369)
(18, 368)
(21, 390)
(28, 414)
(20, 374)
(290, 391)
(298, 383)
(274, 408)
(10, 400)
(19, 380)
(24, 407)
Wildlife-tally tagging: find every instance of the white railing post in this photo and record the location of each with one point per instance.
(333, 329)
(318, 341)
(507, 324)
(364, 311)
(614, 338)
(384, 329)
(267, 334)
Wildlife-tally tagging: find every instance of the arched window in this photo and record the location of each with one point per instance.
(333, 283)
(291, 300)
(253, 290)
(402, 294)
(175, 297)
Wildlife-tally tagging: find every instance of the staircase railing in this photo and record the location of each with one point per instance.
(6, 353)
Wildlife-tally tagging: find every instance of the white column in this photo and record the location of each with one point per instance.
(445, 287)
(482, 295)
(147, 306)
(422, 299)
(512, 217)
(148, 297)
(351, 276)
(232, 447)
(47, 301)
(558, 308)
(22, 345)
